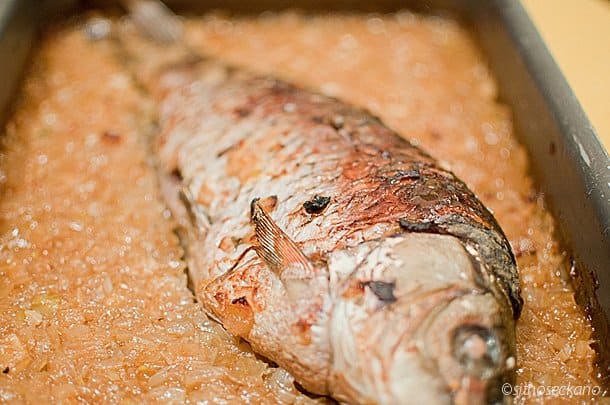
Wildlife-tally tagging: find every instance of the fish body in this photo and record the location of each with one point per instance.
(335, 247)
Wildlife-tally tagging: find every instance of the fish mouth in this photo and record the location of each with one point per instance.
(472, 352)
(476, 346)
(479, 350)
(478, 339)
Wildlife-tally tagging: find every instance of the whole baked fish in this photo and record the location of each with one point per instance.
(335, 247)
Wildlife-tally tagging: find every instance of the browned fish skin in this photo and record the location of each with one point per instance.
(234, 137)
(384, 179)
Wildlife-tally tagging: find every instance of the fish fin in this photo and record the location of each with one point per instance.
(274, 246)
(197, 216)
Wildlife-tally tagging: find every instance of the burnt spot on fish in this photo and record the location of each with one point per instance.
(401, 175)
(176, 175)
(316, 205)
(238, 316)
(383, 290)
(240, 301)
(417, 226)
(6, 370)
(412, 174)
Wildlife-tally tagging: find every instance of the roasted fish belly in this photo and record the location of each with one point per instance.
(335, 247)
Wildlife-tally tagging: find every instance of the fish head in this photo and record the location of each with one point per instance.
(415, 321)
(470, 343)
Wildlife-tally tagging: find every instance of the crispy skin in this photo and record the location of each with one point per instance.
(380, 177)
(234, 137)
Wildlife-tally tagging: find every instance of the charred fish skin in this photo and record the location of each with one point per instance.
(396, 277)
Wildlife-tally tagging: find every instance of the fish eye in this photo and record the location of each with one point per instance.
(478, 350)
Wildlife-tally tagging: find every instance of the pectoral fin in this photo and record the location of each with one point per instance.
(278, 251)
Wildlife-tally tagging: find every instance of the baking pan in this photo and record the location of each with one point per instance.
(567, 160)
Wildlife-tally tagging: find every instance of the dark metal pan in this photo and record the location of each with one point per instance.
(570, 165)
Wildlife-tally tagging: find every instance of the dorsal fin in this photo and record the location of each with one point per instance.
(274, 246)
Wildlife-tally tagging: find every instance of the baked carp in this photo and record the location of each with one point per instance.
(332, 245)
(335, 247)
